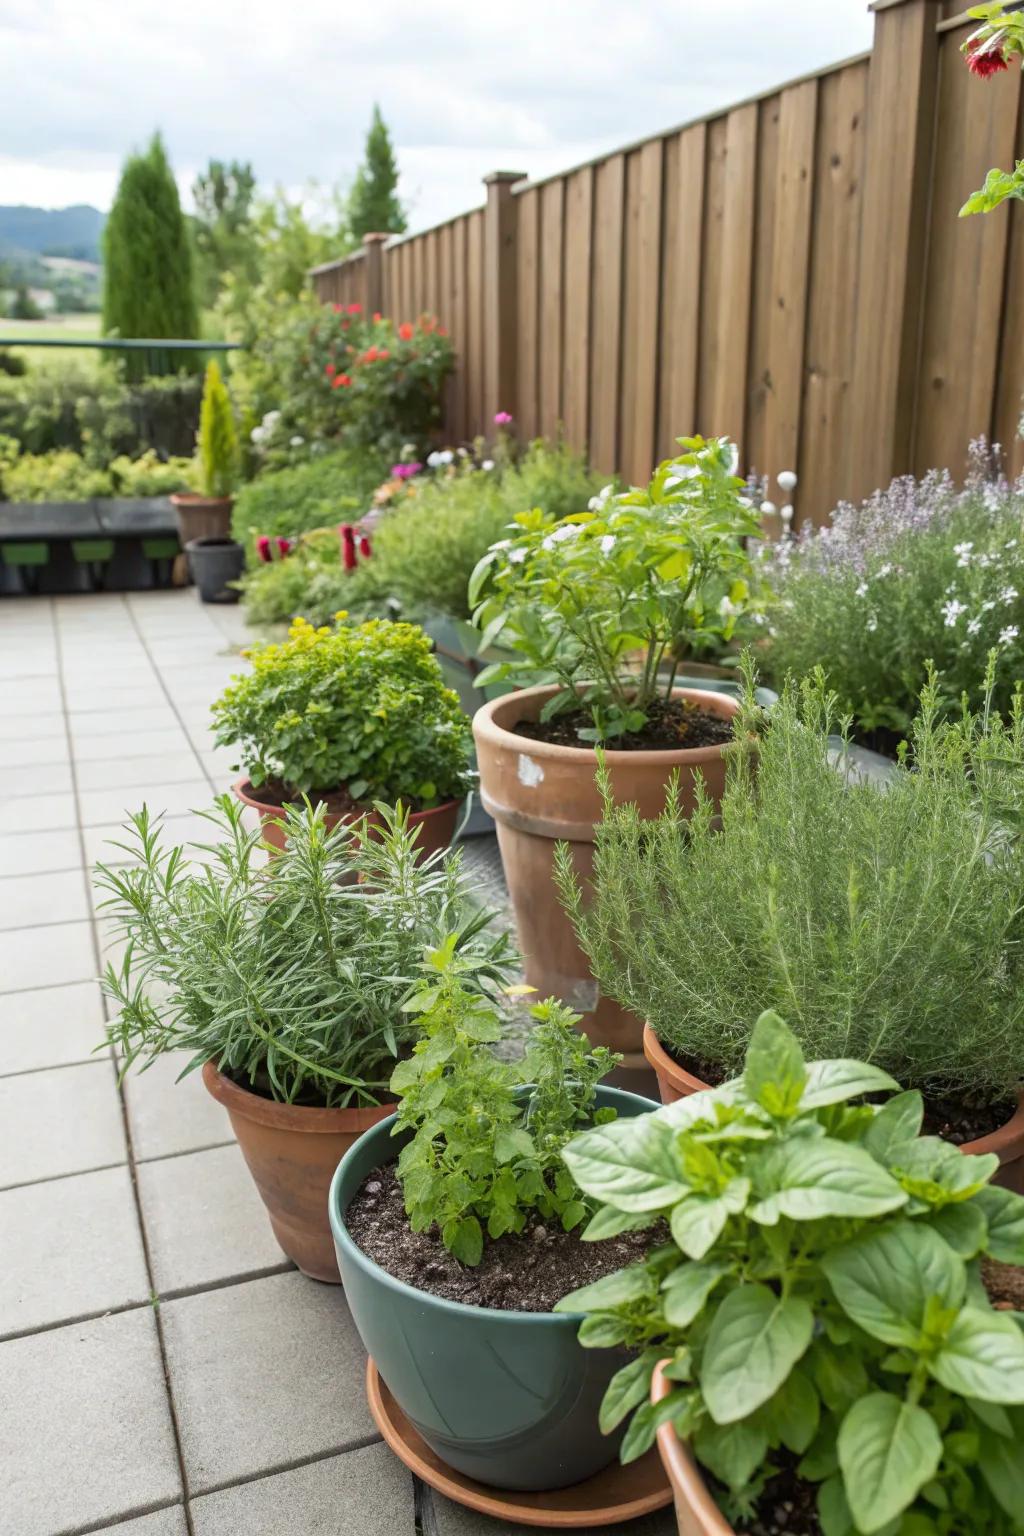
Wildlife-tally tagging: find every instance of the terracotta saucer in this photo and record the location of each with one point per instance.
(616, 1494)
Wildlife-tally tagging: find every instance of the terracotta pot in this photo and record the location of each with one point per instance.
(271, 814)
(202, 517)
(697, 1514)
(674, 1082)
(292, 1153)
(539, 794)
(437, 825)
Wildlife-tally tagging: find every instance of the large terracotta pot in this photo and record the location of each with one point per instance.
(697, 1514)
(437, 826)
(674, 1082)
(540, 794)
(292, 1152)
(202, 517)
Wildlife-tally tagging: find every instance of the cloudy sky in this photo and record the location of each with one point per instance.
(467, 87)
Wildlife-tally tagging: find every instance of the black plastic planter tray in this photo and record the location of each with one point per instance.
(120, 543)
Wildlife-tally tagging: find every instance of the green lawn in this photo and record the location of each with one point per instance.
(55, 328)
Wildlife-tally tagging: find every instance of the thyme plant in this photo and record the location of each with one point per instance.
(884, 920)
(290, 981)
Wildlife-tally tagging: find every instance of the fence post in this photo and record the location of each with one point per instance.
(501, 293)
(373, 245)
(902, 87)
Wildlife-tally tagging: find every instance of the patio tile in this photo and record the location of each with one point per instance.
(45, 778)
(163, 1522)
(30, 853)
(131, 743)
(54, 953)
(137, 772)
(452, 1519)
(37, 813)
(54, 898)
(99, 806)
(90, 699)
(51, 1027)
(100, 842)
(360, 1493)
(205, 1222)
(282, 1350)
(167, 1117)
(34, 725)
(23, 755)
(22, 696)
(63, 1121)
(113, 722)
(71, 1247)
(85, 1430)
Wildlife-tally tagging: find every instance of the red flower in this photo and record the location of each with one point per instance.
(263, 548)
(336, 308)
(441, 331)
(355, 309)
(376, 317)
(984, 61)
(284, 547)
(349, 558)
(406, 331)
(342, 381)
(364, 547)
(330, 370)
(383, 355)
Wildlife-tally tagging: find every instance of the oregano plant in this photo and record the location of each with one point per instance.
(820, 1299)
(486, 1149)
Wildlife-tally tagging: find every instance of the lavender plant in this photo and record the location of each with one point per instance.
(920, 572)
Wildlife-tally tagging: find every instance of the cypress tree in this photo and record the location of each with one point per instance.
(373, 205)
(147, 261)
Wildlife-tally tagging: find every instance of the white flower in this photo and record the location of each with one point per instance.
(787, 481)
(973, 626)
(768, 509)
(434, 460)
(1010, 544)
(744, 501)
(862, 590)
(560, 534)
(516, 556)
(987, 607)
(607, 542)
(502, 544)
(733, 460)
(884, 570)
(272, 418)
(1009, 595)
(727, 608)
(296, 441)
(597, 503)
(258, 434)
(952, 610)
(1009, 633)
(871, 625)
(487, 464)
(787, 514)
(683, 473)
(408, 451)
(962, 549)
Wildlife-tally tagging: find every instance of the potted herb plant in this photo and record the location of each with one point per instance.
(828, 1351)
(599, 609)
(349, 715)
(456, 1230)
(285, 986)
(207, 512)
(884, 918)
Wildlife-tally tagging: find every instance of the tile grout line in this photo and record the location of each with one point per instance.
(125, 1123)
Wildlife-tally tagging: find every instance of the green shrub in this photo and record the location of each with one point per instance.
(334, 488)
(358, 707)
(920, 571)
(96, 413)
(58, 476)
(292, 985)
(885, 921)
(820, 1298)
(217, 443)
(150, 475)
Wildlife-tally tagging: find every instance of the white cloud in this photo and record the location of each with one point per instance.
(467, 88)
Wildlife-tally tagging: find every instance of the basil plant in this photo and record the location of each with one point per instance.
(820, 1298)
(607, 603)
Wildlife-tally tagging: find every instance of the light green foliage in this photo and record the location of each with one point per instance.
(921, 571)
(997, 188)
(217, 442)
(362, 707)
(291, 981)
(660, 571)
(849, 1328)
(147, 260)
(1001, 35)
(485, 1152)
(97, 413)
(66, 476)
(222, 226)
(373, 204)
(334, 488)
(884, 920)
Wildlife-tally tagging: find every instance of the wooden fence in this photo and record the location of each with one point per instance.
(791, 271)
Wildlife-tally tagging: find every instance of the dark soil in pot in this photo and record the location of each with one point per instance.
(338, 801)
(787, 1507)
(672, 724)
(520, 1272)
(1004, 1283)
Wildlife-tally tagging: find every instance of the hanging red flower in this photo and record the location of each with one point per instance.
(285, 546)
(263, 548)
(364, 546)
(349, 558)
(984, 60)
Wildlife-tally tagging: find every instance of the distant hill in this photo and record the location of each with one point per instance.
(75, 232)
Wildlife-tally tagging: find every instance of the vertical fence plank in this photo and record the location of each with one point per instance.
(827, 423)
(527, 410)
(966, 262)
(680, 286)
(1010, 384)
(753, 448)
(501, 292)
(475, 346)
(552, 196)
(642, 254)
(606, 314)
(579, 213)
(733, 319)
(458, 426)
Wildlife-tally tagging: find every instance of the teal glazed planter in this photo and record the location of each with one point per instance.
(507, 1398)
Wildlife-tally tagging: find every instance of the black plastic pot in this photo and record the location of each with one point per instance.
(214, 562)
(508, 1398)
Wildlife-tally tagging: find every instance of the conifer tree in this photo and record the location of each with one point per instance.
(374, 207)
(147, 260)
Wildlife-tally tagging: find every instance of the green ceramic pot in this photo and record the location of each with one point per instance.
(508, 1398)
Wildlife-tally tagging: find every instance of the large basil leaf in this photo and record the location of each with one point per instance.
(774, 1074)
(647, 1420)
(796, 1411)
(610, 1291)
(1002, 1466)
(753, 1344)
(1004, 1212)
(698, 1221)
(733, 1452)
(897, 1121)
(835, 1081)
(814, 1177)
(884, 1281)
(687, 1289)
(938, 1173)
(962, 1226)
(630, 1164)
(834, 1514)
(982, 1356)
(627, 1389)
(888, 1450)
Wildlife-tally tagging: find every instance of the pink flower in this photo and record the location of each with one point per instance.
(502, 419)
(405, 471)
(263, 548)
(349, 558)
(285, 546)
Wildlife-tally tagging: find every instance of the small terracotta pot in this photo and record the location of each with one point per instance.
(539, 794)
(674, 1082)
(202, 517)
(697, 1514)
(271, 814)
(292, 1152)
(437, 825)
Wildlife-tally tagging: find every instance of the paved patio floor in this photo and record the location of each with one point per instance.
(163, 1368)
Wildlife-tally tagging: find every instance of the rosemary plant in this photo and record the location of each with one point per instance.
(290, 980)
